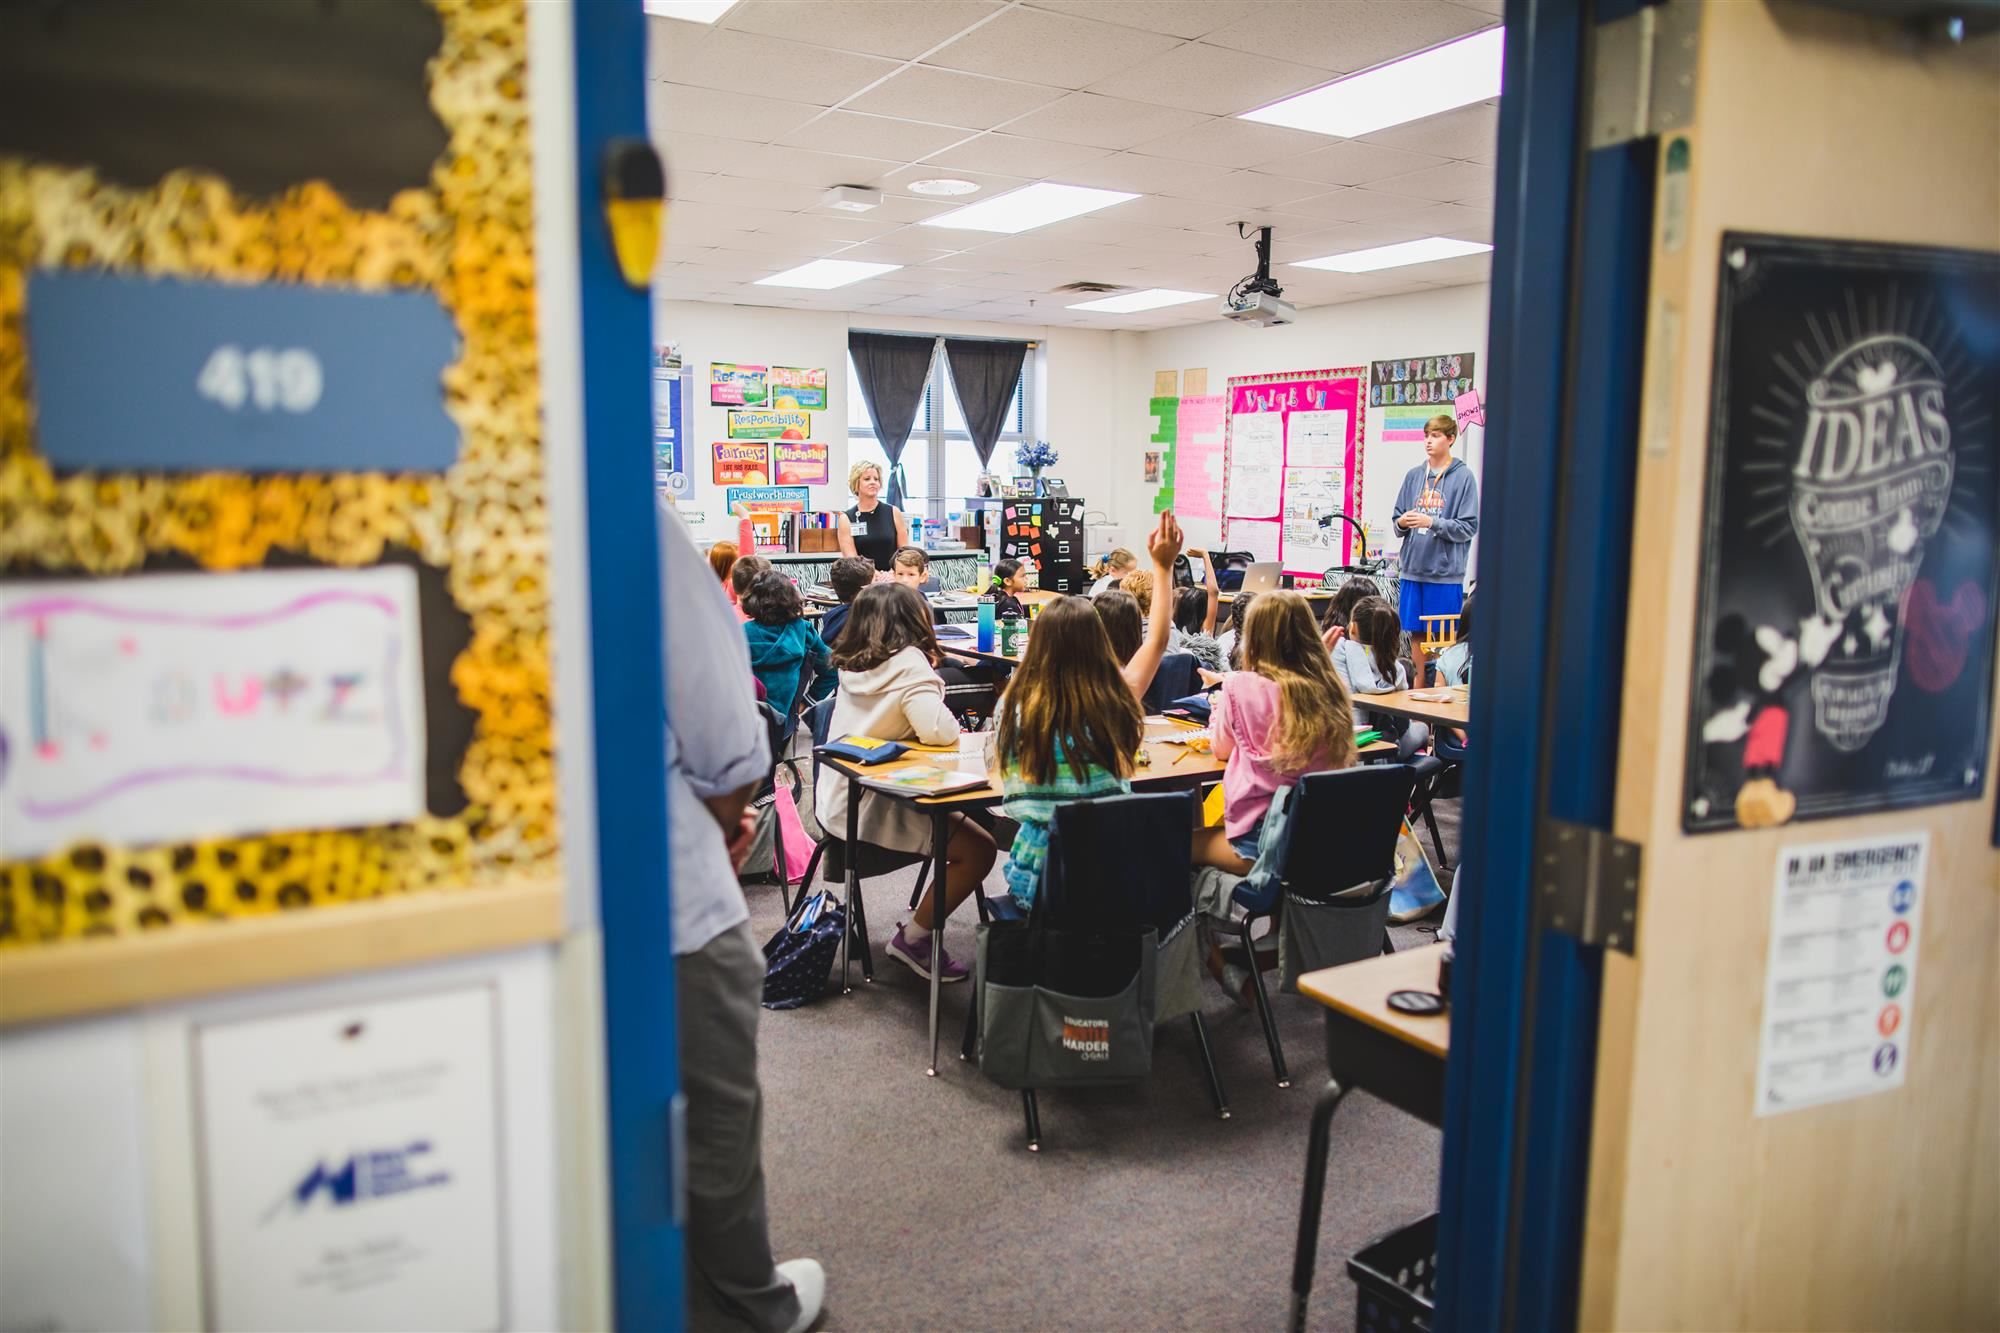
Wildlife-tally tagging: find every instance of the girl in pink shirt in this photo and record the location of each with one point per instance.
(1283, 715)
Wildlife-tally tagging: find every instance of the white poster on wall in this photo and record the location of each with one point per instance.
(169, 707)
(1256, 457)
(351, 1163)
(1311, 495)
(1841, 978)
(1318, 439)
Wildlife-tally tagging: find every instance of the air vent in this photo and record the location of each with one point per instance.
(1090, 288)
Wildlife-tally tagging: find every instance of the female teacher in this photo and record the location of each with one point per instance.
(870, 529)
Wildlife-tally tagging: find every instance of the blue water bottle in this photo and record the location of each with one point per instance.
(986, 618)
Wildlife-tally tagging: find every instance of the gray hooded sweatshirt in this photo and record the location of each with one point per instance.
(1438, 554)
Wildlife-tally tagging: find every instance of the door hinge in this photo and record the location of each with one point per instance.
(1642, 75)
(1587, 884)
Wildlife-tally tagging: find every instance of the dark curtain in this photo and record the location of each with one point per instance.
(892, 369)
(985, 375)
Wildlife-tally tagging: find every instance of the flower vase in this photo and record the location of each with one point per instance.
(1041, 487)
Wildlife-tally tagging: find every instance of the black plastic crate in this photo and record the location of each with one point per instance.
(1395, 1280)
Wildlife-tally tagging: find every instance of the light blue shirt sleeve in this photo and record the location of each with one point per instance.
(715, 737)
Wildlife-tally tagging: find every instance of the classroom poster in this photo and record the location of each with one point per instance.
(801, 462)
(1257, 460)
(1306, 420)
(768, 499)
(668, 455)
(798, 390)
(1310, 496)
(1198, 458)
(741, 464)
(755, 424)
(1433, 381)
(351, 1171)
(731, 385)
(1844, 646)
(1151, 475)
(175, 707)
(1165, 412)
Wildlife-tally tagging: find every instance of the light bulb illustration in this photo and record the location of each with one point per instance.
(1870, 485)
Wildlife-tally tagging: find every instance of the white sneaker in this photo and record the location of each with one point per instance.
(808, 1279)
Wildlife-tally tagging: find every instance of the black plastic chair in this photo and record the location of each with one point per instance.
(1436, 781)
(1175, 679)
(1342, 833)
(832, 853)
(1229, 567)
(1118, 863)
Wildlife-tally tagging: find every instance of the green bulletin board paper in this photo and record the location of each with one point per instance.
(1166, 409)
(1167, 412)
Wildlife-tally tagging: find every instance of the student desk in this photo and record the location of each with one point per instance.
(1455, 713)
(1310, 594)
(1166, 772)
(1398, 1057)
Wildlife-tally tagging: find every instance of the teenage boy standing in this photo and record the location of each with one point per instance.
(1438, 511)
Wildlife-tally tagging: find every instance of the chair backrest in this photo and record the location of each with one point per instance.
(1229, 567)
(820, 719)
(1344, 826)
(1120, 861)
(1175, 679)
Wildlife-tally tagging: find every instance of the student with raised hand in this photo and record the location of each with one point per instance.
(1163, 546)
(1365, 658)
(890, 690)
(1284, 714)
(1069, 730)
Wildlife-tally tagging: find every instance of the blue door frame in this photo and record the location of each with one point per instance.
(1573, 245)
(641, 1058)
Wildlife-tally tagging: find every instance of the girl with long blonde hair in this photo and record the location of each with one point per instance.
(1284, 714)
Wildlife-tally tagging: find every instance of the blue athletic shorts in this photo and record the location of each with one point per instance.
(1246, 844)
(1417, 600)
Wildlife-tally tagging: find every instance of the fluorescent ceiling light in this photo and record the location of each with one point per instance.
(1453, 75)
(1429, 249)
(1028, 207)
(694, 11)
(822, 274)
(1151, 299)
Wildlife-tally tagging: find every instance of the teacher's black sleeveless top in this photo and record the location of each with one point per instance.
(875, 534)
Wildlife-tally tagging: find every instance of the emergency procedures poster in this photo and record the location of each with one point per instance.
(1844, 651)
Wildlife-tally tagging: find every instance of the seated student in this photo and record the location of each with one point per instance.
(1194, 626)
(890, 690)
(1112, 568)
(1284, 714)
(1010, 580)
(1365, 658)
(783, 644)
(1139, 642)
(1454, 664)
(1231, 639)
(1340, 609)
(1069, 730)
(849, 575)
(911, 565)
(741, 575)
(721, 559)
(1140, 584)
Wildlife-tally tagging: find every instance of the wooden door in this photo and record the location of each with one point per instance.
(1877, 1212)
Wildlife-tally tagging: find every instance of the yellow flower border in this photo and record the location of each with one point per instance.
(468, 237)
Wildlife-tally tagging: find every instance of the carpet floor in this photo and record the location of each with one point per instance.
(1143, 1210)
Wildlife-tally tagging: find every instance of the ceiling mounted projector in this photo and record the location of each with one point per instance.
(1256, 299)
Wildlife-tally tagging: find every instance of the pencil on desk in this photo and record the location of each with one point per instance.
(1184, 754)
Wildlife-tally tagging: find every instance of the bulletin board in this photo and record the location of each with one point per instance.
(1292, 454)
(434, 560)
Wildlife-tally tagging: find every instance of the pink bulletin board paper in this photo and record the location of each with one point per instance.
(1286, 392)
(1198, 458)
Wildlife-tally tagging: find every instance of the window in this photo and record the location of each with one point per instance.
(940, 446)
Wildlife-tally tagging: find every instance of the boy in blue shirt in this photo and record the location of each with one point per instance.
(1438, 512)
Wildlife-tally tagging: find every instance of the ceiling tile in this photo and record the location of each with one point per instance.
(1054, 48)
(1211, 79)
(1031, 159)
(1144, 175)
(689, 153)
(1449, 183)
(1465, 222)
(1161, 211)
(679, 109)
(1495, 8)
(1176, 18)
(738, 218)
(1356, 204)
(873, 136)
(1351, 162)
(747, 63)
(1348, 35)
(803, 166)
(1254, 189)
(901, 248)
(874, 27)
(743, 190)
(828, 226)
(1103, 122)
(1468, 133)
(948, 97)
(1227, 142)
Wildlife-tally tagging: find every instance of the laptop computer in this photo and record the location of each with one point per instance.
(1260, 577)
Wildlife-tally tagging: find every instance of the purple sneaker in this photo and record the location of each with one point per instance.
(917, 957)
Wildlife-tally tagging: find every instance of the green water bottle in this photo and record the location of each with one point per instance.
(1010, 634)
